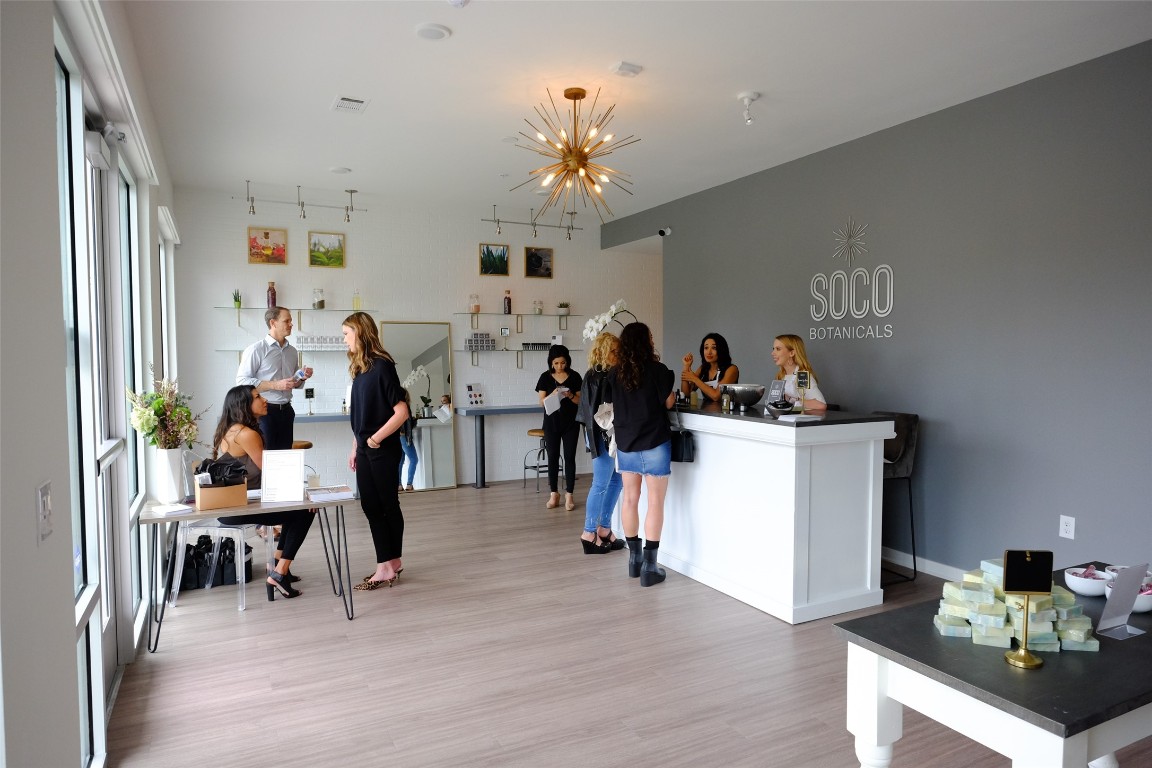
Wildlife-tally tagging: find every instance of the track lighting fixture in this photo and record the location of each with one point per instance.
(301, 211)
(569, 228)
(748, 97)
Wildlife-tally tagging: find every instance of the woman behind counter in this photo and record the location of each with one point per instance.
(716, 368)
(641, 390)
(238, 436)
(788, 353)
(560, 426)
(606, 483)
(377, 412)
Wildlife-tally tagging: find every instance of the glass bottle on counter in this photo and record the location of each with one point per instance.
(507, 302)
(271, 293)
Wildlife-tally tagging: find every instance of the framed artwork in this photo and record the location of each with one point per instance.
(537, 262)
(326, 249)
(267, 245)
(493, 259)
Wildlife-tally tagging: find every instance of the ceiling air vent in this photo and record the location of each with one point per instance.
(349, 105)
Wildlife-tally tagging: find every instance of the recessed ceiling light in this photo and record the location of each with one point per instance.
(340, 169)
(624, 69)
(509, 139)
(433, 32)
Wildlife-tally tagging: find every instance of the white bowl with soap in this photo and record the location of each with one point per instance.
(1143, 602)
(1115, 571)
(1086, 581)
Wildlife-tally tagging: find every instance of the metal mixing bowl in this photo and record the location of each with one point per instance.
(743, 395)
(778, 409)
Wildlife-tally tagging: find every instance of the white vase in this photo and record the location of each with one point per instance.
(169, 485)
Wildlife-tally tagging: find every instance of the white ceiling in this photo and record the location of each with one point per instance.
(244, 90)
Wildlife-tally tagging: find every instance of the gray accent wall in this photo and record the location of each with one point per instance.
(1018, 228)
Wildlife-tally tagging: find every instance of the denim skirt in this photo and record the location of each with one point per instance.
(654, 461)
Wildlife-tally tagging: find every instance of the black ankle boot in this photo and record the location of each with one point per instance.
(650, 573)
(635, 557)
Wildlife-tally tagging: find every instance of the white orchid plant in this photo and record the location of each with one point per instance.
(417, 374)
(598, 323)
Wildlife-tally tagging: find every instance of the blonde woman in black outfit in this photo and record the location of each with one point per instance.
(641, 390)
(377, 412)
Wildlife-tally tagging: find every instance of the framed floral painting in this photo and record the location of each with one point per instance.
(267, 245)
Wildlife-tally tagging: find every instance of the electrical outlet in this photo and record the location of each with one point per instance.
(44, 510)
(1067, 527)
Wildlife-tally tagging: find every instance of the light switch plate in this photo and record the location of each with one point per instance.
(44, 510)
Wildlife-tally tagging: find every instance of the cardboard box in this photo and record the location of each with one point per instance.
(208, 497)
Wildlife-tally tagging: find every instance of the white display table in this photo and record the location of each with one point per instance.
(782, 516)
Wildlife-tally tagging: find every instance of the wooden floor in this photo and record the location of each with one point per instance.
(502, 645)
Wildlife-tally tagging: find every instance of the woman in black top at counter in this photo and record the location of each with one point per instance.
(641, 390)
(238, 437)
(716, 368)
(376, 413)
(560, 426)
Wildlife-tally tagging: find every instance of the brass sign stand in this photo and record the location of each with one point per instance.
(1026, 572)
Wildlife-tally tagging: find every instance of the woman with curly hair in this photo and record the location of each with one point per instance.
(377, 413)
(606, 483)
(641, 390)
(716, 368)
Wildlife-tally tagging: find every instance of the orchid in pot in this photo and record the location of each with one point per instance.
(417, 374)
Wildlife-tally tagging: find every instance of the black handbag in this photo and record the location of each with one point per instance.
(683, 446)
(683, 443)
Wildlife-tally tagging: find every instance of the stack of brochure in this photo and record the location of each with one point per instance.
(330, 493)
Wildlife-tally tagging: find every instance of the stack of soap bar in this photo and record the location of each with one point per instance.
(977, 607)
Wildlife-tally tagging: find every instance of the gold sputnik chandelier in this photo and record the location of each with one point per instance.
(575, 172)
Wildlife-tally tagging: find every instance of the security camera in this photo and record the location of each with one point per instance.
(664, 231)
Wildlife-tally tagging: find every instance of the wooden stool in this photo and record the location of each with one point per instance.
(300, 444)
(540, 463)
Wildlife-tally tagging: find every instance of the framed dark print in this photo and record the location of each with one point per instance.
(493, 259)
(267, 245)
(537, 262)
(326, 249)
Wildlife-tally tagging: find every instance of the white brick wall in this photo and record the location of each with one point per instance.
(408, 264)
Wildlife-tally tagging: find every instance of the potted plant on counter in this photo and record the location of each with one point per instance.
(563, 308)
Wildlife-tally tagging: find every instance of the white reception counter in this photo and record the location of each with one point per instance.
(782, 516)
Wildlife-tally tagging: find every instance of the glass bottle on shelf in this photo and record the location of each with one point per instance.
(473, 303)
(317, 298)
(507, 302)
(537, 307)
(271, 293)
(356, 300)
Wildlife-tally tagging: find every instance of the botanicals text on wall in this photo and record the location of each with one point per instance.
(843, 299)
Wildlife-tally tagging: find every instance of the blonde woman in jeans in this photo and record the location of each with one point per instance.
(598, 538)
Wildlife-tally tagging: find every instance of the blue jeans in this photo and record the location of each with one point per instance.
(605, 491)
(413, 459)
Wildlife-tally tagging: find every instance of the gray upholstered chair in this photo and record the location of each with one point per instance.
(899, 459)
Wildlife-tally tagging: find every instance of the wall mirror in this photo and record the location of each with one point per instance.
(429, 345)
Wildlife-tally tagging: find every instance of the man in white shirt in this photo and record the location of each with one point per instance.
(270, 365)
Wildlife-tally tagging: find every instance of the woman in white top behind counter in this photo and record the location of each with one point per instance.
(788, 353)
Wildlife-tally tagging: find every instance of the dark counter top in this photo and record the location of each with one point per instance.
(756, 413)
(1072, 692)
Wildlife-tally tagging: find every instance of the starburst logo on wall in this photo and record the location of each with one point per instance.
(851, 241)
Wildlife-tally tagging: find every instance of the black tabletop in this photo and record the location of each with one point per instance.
(1072, 692)
(756, 413)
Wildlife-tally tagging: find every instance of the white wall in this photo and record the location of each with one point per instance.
(409, 263)
(40, 719)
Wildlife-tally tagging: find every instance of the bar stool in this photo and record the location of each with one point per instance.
(899, 459)
(540, 464)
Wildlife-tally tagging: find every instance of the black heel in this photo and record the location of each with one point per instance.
(594, 547)
(291, 577)
(279, 583)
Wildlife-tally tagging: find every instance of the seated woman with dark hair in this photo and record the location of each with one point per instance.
(238, 437)
(716, 368)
